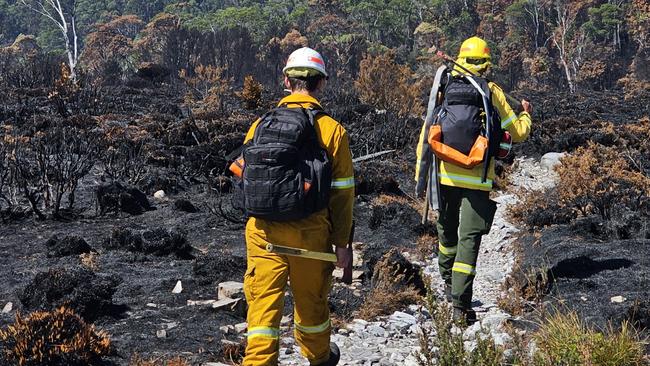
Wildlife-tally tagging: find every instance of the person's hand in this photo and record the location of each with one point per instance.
(343, 257)
(528, 108)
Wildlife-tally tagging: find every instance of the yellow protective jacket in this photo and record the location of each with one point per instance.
(456, 176)
(334, 222)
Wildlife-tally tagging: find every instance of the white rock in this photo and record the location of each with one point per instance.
(285, 320)
(227, 329)
(551, 160)
(237, 306)
(151, 305)
(214, 364)
(8, 307)
(159, 195)
(399, 316)
(494, 321)
(178, 288)
(617, 299)
(161, 333)
(501, 339)
(376, 331)
(200, 302)
(361, 322)
(241, 327)
(230, 289)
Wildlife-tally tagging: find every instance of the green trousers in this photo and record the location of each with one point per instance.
(465, 216)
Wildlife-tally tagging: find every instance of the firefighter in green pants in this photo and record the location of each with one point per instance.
(459, 237)
(464, 106)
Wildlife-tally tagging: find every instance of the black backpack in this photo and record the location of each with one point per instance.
(287, 174)
(463, 116)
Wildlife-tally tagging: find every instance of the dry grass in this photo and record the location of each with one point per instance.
(447, 347)
(564, 339)
(136, 360)
(59, 337)
(426, 245)
(233, 351)
(89, 260)
(384, 300)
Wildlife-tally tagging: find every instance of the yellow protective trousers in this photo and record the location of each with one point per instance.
(265, 283)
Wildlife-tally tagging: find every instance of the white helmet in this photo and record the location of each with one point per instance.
(303, 61)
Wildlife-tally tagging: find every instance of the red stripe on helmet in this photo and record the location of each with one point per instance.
(316, 60)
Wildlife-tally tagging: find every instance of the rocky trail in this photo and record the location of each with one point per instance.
(394, 339)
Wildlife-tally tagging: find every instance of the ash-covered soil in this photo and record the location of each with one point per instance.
(118, 269)
(141, 283)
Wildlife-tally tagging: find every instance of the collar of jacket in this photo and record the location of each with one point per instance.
(302, 99)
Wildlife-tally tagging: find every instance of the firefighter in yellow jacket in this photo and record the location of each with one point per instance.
(465, 209)
(310, 280)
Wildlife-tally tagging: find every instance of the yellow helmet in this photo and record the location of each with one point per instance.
(474, 48)
(474, 55)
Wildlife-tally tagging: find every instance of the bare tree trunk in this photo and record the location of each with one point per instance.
(53, 10)
(560, 39)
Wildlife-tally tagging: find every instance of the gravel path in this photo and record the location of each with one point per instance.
(393, 340)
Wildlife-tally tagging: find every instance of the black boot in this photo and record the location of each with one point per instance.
(335, 355)
(448, 293)
(464, 316)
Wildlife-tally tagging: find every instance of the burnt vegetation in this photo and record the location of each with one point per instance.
(161, 91)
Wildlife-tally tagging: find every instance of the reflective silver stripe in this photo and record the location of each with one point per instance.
(474, 181)
(314, 328)
(447, 250)
(343, 183)
(263, 332)
(505, 146)
(464, 268)
(508, 122)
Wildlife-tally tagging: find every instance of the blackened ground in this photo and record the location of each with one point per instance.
(584, 274)
(145, 278)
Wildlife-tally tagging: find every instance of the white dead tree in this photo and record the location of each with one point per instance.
(562, 38)
(56, 12)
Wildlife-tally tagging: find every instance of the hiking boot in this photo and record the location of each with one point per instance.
(448, 293)
(335, 355)
(464, 316)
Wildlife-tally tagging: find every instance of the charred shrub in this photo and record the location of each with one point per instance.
(68, 245)
(218, 267)
(48, 165)
(185, 206)
(126, 149)
(595, 179)
(251, 93)
(387, 85)
(124, 239)
(115, 197)
(79, 289)
(162, 242)
(396, 283)
(600, 191)
(157, 361)
(372, 179)
(540, 209)
(159, 242)
(392, 209)
(56, 338)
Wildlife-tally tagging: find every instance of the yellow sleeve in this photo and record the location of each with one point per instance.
(342, 192)
(518, 126)
(251, 131)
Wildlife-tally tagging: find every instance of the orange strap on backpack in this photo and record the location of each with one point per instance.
(237, 168)
(449, 154)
